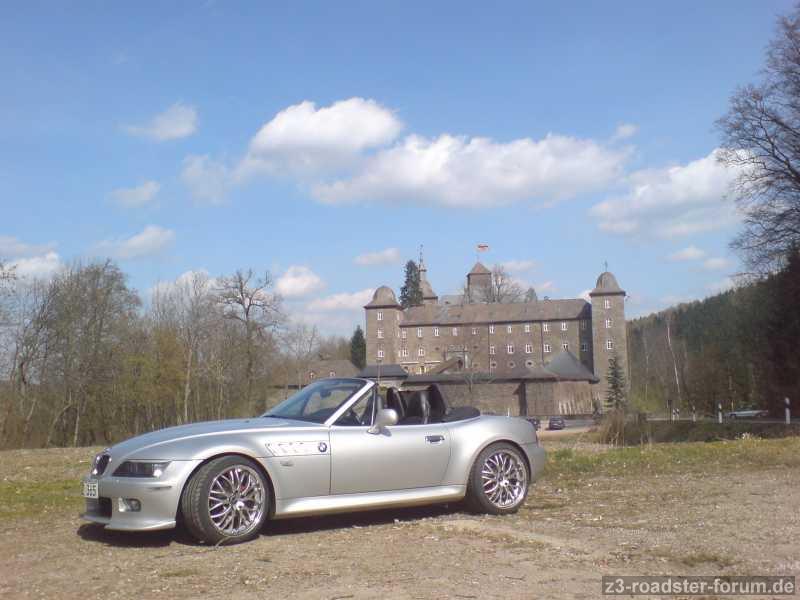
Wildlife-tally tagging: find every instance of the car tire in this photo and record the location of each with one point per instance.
(498, 480)
(226, 501)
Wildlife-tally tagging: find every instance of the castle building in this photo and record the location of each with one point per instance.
(501, 341)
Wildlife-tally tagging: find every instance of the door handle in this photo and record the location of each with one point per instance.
(434, 439)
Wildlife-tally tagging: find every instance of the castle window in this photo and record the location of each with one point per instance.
(380, 353)
(565, 345)
(405, 352)
(545, 327)
(606, 303)
(584, 347)
(563, 325)
(419, 332)
(332, 374)
(493, 364)
(529, 363)
(474, 331)
(403, 333)
(312, 375)
(508, 328)
(547, 348)
(421, 369)
(380, 334)
(510, 349)
(583, 325)
(435, 332)
(511, 364)
(609, 344)
(380, 315)
(527, 327)
(608, 323)
(491, 349)
(455, 331)
(420, 351)
(528, 348)
(491, 328)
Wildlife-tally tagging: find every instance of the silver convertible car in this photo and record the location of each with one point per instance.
(337, 445)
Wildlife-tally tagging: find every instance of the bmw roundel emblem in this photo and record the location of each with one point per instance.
(322, 446)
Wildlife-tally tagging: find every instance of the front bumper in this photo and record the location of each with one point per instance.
(159, 498)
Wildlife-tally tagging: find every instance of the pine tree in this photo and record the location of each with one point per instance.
(615, 394)
(411, 292)
(358, 348)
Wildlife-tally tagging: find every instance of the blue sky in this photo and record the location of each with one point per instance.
(298, 137)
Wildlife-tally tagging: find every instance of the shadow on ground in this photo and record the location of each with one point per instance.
(280, 528)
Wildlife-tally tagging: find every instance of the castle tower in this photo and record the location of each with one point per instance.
(428, 295)
(609, 332)
(479, 281)
(383, 315)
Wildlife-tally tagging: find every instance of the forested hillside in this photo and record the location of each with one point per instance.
(740, 348)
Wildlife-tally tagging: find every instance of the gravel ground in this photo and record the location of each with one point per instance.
(560, 543)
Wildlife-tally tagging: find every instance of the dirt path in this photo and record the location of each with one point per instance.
(558, 546)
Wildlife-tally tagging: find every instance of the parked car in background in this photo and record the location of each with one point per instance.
(747, 414)
(557, 423)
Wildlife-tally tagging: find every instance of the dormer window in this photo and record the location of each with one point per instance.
(606, 303)
(563, 325)
(527, 327)
(419, 332)
(491, 328)
(435, 332)
(380, 315)
(455, 331)
(545, 327)
(508, 328)
(380, 334)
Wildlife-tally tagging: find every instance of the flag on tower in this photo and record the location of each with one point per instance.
(483, 247)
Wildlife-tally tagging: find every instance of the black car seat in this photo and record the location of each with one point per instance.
(418, 409)
(437, 402)
(395, 401)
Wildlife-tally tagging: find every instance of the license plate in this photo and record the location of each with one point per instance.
(90, 489)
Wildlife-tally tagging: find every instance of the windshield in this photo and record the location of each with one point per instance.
(318, 401)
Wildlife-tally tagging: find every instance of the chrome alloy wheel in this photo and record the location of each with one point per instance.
(505, 479)
(236, 500)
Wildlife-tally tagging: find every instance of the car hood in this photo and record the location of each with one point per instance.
(208, 429)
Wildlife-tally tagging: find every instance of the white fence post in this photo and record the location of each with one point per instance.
(719, 413)
(788, 412)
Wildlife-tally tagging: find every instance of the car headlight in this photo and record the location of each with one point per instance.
(131, 468)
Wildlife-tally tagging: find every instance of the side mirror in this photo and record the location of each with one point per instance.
(384, 418)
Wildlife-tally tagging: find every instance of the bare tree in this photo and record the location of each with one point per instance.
(301, 344)
(502, 289)
(761, 141)
(247, 299)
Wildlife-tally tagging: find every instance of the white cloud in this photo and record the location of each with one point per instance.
(184, 281)
(723, 285)
(11, 247)
(671, 202)
(138, 196)
(303, 138)
(585, 295)
(298, 281)
(37, 267)
(342, 302)
(178, 121)
(625, 131)
(151, 240)
(390, 256)
(518, 266)
(206, 179)
(713, 264)
(460, 171)
(688, 253)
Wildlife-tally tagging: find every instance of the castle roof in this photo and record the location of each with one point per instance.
(383, 298)
(424, 284)
(567, 367)
(606, 284)
(479, 269)
(455, 314)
